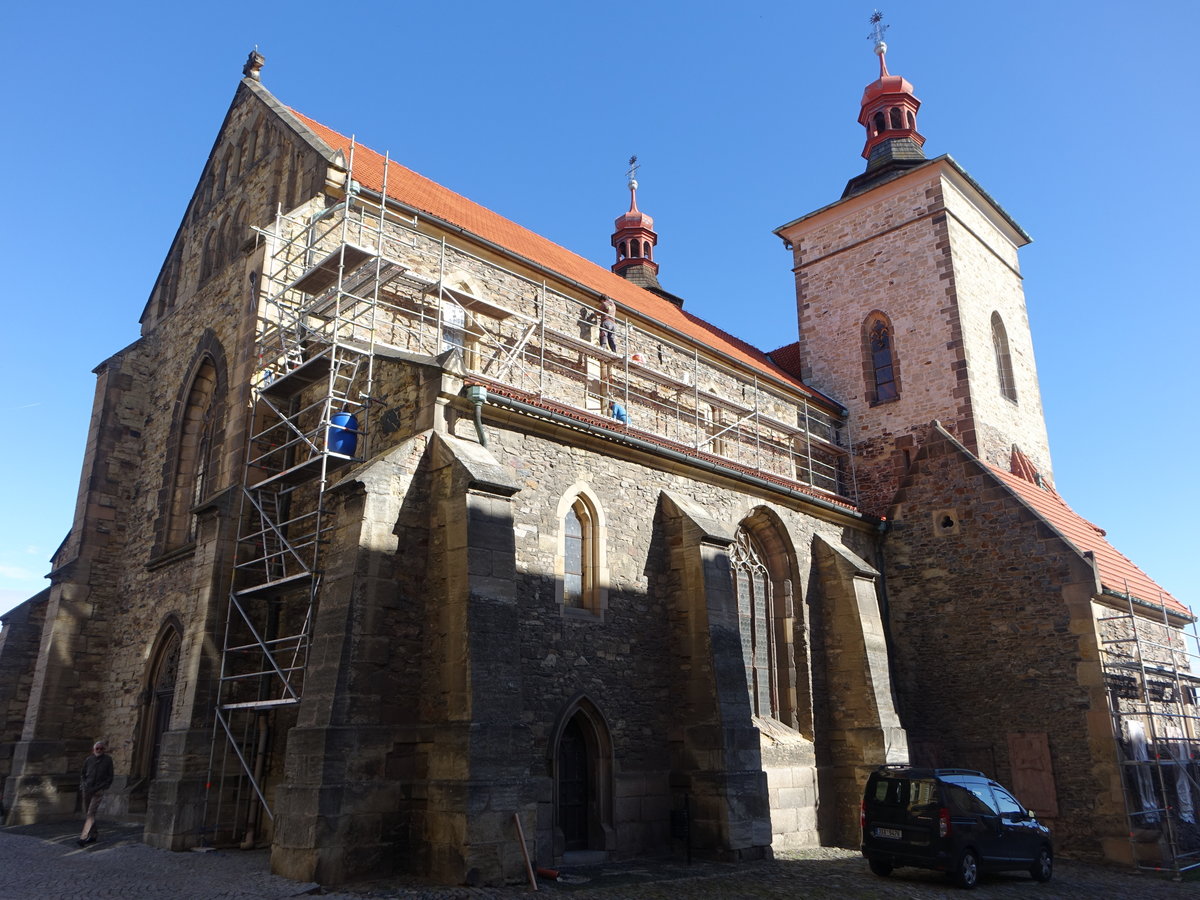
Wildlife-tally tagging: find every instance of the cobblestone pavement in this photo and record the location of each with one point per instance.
(43, 861)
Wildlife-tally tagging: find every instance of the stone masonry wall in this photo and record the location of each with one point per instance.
(922, 253)
(19, 641)
(118, 561)
(619, 659)
(987, 280)
(883, 251)
(991, 626)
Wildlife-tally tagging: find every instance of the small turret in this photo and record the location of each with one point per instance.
(889, 114)
(634, 240)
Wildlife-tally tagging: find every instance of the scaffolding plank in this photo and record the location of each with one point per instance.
(288, 384)
(325, 273)
(305, 471)
(262, 704)
(278, 586)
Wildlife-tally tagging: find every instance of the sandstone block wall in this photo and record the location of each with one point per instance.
(987, 279)
(992, 633)
(921, 250)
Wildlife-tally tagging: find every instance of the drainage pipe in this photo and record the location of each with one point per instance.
(478, 396)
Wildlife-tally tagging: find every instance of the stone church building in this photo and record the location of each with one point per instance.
(406, 538)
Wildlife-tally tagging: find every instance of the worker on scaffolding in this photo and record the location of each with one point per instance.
(608, 323)
(617, 410)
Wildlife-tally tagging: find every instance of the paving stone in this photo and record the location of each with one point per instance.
(43, 861)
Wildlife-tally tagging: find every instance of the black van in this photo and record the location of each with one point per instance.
(954, 820)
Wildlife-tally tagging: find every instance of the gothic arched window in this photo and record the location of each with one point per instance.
(1004, 370)
(578, 569)
(581, 557)
(208, 261)
(752, 582)
(194, 459)
(881, 364)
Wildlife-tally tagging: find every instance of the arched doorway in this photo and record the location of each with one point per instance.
(159, 700)
(573, 771)
(581, 760)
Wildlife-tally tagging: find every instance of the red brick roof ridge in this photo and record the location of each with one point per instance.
(644, 302)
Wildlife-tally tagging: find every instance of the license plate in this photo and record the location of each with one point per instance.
(893, 833)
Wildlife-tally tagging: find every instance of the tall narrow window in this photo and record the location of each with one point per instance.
(1004, 370)
(193, 467)
(755, 615)
(208, 256)
(576, 563)
(581, 557)
(881, 368)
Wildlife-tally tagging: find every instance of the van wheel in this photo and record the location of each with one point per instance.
(966, 873)
(880, 867)
(1043, 866)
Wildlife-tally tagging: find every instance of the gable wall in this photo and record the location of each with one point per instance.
(992, 632)
(116, 580)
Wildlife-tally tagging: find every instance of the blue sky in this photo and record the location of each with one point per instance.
(1074, 116)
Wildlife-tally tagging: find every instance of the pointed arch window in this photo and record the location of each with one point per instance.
(577, 563)
(195, 457)
(881, 364)
(752, 581)
(1004, 369)
(208, 256)
(581, 559)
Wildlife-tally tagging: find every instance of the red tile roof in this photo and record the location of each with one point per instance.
(411, 189)
(1117, 572)
(787, 357)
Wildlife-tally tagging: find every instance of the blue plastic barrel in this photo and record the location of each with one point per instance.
(343, 434)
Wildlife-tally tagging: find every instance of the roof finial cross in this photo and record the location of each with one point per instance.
(631, 173)
(877, 27)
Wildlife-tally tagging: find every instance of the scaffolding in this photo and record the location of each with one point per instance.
(362, 278)
(1152, 679)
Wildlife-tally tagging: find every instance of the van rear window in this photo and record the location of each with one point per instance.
(900, 792)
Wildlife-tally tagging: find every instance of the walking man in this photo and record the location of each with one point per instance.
(96, 778)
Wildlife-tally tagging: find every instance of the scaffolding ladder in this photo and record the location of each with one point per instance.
(1153, 689)
(311, 391)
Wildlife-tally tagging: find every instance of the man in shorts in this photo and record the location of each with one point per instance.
(97, 777)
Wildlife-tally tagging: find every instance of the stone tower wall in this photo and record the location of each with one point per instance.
(883, 251)
(987, 279)
(921, 251)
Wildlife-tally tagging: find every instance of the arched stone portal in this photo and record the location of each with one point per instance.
(581, 761)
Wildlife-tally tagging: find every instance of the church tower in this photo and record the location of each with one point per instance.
(910, 304)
